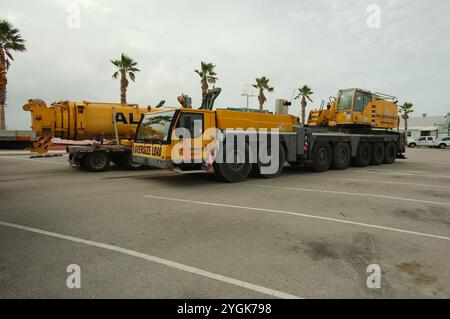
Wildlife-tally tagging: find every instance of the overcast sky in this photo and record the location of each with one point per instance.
(325, 44)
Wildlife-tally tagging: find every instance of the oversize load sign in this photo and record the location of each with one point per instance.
(147, 150)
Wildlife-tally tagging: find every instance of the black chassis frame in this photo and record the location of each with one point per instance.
(294, 142)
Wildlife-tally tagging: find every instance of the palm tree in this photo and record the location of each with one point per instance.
(207, 75)
(126, 67)
(406, 108)
(10, 40)
(304, 92)
(262, 84)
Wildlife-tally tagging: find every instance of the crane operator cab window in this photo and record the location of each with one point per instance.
(192, 122)
(345, 100)
(361, 101)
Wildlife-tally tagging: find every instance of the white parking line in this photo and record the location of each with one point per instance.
(37, 160)
(381, 182)
(161, 261)
(400, 173)
(349, 193)
(425, 172)
(342, 221)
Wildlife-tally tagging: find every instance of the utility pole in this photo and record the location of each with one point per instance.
(247, 91)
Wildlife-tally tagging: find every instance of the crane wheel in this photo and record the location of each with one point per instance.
(96, 161)
(281, 160)
(321, 156)
(377, 154)
(236, 168)
(363, 155)
(341, 156)
(390, 153)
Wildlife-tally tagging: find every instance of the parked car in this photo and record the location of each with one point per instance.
(422, 141)
(442, 142)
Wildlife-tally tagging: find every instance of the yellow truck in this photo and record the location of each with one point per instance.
(113, 125)
(232, 143)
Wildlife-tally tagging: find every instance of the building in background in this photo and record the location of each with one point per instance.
(424, 125)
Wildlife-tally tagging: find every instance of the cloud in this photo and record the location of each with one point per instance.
(325, 44)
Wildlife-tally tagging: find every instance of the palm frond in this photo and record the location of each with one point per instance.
(11, 40)
(8, 54)
(125, 65)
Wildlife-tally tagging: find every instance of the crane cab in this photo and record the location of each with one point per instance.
(357, 107)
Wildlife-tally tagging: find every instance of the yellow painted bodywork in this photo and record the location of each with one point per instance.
(81, 120)
(200, 148)
(244, 120)
(156, 151)
(377, 113)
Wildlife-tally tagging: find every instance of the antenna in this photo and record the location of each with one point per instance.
(247, 91)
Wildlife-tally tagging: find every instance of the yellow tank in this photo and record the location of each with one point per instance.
(83, 120)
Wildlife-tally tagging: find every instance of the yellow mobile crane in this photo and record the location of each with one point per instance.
(355, 127)
(355, 108)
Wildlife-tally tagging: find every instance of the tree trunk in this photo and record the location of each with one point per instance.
(261, 99)
(204, 85)
(405, 117)
(3, 81)
(204, 90)
(123, 88)
(303, 103)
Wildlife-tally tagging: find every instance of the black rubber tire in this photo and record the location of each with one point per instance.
(390, 152)
(295, 164)
(124, 160)
(412, 145)
(281, 159)
(341, 156)
(363, 155)
(442, 146)
(377, 154)
(96, 161)
(321, 156)
(81, 164)
(234, 173)
(116, 160)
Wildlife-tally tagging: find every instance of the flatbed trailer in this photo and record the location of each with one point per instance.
(97, 157)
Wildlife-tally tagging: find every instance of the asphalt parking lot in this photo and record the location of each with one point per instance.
(157, 234)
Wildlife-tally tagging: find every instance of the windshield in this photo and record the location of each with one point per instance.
(345, 100)
(155, 127)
